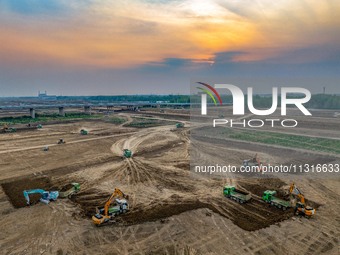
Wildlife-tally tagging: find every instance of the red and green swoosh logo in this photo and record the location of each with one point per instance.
(212, 89)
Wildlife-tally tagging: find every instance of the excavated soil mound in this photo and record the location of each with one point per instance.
(159, 212)
(66, 187)
(245, 216)
(90, 200)
(14, 189)
(272, 184)
(247, 219)
(258, 186)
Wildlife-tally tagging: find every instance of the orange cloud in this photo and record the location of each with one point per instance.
(123, 34)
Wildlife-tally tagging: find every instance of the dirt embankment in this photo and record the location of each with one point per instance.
(14, 190)
(251, 216)
(66, 187)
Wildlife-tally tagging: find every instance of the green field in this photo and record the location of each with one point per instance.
(286, 140)
(46, 117)
(117, 120)
(141, 122)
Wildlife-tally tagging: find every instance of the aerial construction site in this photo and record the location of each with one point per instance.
(121, 183)
(168, 127)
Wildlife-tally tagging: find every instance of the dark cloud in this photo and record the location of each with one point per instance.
(172, 75)
(227, 57)
(174, 62)
(172, 65)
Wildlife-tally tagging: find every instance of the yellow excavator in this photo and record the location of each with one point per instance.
(107, 214)
(301, 208)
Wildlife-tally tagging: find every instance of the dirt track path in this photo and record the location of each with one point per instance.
(71, 142)
(172, 211)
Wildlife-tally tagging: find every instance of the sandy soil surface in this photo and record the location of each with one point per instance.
(172, 211)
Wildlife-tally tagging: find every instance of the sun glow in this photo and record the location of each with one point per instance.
(130, 33)
(205, 8)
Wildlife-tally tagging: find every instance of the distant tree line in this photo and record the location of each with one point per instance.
(132, 98)
(318, 101)
(323, 101)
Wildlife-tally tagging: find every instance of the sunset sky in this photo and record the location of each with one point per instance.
(91, 47)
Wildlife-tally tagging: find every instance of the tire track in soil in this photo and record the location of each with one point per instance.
(144, 173)
(313, 236)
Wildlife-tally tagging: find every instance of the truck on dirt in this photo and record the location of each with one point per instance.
(69, 190)
(61, 141)
(7, 129)
(269, 197)
(127, 153)
(11, 130)
(121, 206)
(115, 205)
(253, 162)
(179, 125)
(84, 132)
(235, 194)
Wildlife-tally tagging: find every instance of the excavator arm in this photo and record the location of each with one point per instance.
(302, 198)
(46, 196)
(116, 194)
(257, 160)
(259, 163)
(32, 191)
(294, 190)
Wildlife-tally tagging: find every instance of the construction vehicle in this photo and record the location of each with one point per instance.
(46, 196)
(69, 190)
(269, 197)
(7, 129)
(235, 194)
(61, 141)
(11, 130)
(252, 162)
(83, 132)
(107, 214)
(179, 125)
(4, 128)
(300, 207)
(127, 153)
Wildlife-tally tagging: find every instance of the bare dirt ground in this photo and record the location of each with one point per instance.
(172, 211)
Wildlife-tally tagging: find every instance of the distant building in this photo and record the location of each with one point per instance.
(44, 96)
